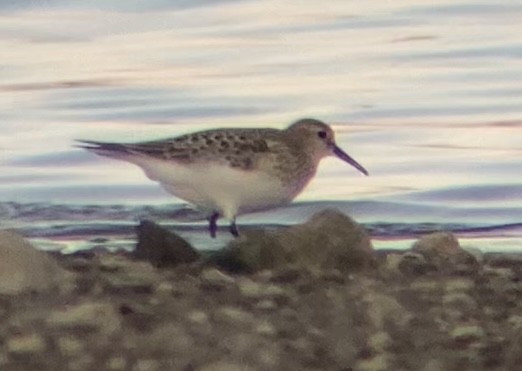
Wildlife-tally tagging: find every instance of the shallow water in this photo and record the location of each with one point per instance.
(426, 96)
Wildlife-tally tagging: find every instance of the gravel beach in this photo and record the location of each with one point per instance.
(314, 296)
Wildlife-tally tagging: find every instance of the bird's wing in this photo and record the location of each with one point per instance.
(237, 147)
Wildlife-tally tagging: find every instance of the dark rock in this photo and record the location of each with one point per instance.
(161, 247)
(329, 240)
(415, 264)
(442, 250)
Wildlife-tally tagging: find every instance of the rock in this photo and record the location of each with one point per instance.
(161, 247)
(383, 310)
(89, 316)
(198, 317)
(23, 268)
(70, 346)
(131, 277)
(25, 345)
(117, 364)
(170, 341)
(233, 315)
(412, 263)
(213, 278)
(443, 251)
(503, 259)
(147, 365)
(329, 240)
(467, 334)
(379, 362)
(225, 366)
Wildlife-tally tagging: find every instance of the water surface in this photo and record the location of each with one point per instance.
(426, 96)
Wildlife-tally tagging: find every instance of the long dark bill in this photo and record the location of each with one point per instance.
(345, 157)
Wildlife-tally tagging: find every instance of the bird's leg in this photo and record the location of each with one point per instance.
(233, 228)
(212, 224)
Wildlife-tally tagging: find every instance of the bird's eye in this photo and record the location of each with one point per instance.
(322, 134)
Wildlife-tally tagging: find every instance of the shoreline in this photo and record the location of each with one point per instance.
(270, 301)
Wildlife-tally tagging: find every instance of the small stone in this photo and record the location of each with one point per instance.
(133, 277)
(443, 251)
(383, 309)
(117, 364)
(459, 285)
(266, 304)
(380, 341)
(198, 317)
(233, 315)
(515, 321)
(257, 291)
(25, 345)
(412, 263)
(83, 363)
(89, 316)
(266, 328)
(70, 346)
(214, 278)
(168, 339)
(379, 362)
(250, 289)
(165, 288)
(464, 302)
(225, 366)
(146, 365)
(467, 334)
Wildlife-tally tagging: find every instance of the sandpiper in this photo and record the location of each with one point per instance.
(232, 171)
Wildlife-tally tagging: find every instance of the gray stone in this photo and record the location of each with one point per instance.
(166, 340)
(467, 334)
(90, 316)
(70, 346)
(161, 247)
(412, 263)
(225, 366)
(25, 345)
(147, 365)
(329, 240)
(443, 251)
(23, 268)
(214, 278)
(132, 277)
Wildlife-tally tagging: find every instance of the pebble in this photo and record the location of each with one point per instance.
(89, 315)
(198, 317)
(233, 315)
(70, 346)
(380, 341)
(214, 278)
(146, 365)
(266, 328)
(25, 345)
(467, 334)
(225, 366)
(117, 364)
(266, 305)
(379, 362)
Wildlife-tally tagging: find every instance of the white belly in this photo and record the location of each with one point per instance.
(217, 187)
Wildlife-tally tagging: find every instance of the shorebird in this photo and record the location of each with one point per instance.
(233, 170)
